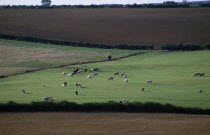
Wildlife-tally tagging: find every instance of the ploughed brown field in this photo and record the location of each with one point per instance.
(111, 26)
(103, 124)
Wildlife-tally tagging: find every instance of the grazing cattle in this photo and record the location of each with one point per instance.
(80, 71)
(76, 70)
(197, 74)
(202, 74)
(93, 69)
(124, 101)
(43, 85)
(23, 91)
(116, 73)
(72, 74)
(64, 84)
(89, 77)
(149, 81)
(76, 92)
(95, 74)
(77, 85)
(126, 80)
(124, 76)
(111, 102)
(142, 89)
(85, 70)
(200, 91)
(47, 99)
(64, 73)
(111, 78)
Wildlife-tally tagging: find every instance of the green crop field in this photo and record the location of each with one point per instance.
(172, 74)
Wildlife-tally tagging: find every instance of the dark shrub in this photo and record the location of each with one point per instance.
(207, 46)
(109, 57)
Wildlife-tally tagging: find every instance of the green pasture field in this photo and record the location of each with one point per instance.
(172, 74)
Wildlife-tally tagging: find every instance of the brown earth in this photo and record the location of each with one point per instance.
(111, 26)
(103, 124)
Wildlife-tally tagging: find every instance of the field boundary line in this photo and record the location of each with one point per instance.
(74, 43)
(76, 63)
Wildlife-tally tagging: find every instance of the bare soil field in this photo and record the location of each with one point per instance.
(111, 26)
(103, 124)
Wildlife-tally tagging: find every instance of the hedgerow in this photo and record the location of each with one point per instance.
(72, 43)
(111, 106)
(183, 47)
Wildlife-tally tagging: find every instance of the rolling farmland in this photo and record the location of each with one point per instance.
(172, 74)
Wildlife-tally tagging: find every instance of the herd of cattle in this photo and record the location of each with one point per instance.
(94, 73)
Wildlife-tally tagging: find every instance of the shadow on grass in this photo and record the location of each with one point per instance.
(146, 91)
(81, 94)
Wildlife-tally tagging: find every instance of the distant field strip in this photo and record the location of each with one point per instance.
(111, 26)
(17, 56)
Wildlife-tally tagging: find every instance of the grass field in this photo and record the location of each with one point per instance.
(172, 74)
(141, 26)
(17, 56)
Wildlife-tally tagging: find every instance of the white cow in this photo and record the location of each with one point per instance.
(72, 74)
(64, 85)
(80, 71)
(93, 69)
(124, 76)
(64, 73)
(89, 77)
(126, 80)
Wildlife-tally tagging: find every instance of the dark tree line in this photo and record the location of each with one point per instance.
(184, 47)
(180, 46)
